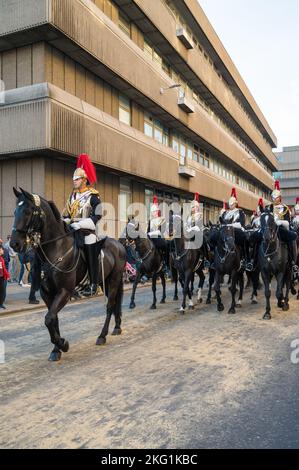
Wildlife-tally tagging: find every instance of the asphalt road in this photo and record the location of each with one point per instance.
(205, 379)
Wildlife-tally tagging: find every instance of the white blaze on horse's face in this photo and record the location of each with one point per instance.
(20, 203)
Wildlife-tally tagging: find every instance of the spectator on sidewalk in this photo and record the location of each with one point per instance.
(34, 276)
(4, 276)
(6, 261)
(14, 262)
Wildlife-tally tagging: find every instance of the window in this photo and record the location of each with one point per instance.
(148, 48)
(148, 125)
(124, 23)
(175, 143)
(124, 109)
(158, 131)
(125, 192)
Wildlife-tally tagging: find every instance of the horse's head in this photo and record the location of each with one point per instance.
(211, 231)
(28, 219)
(227, 237)
(268, 227)
(130, 233)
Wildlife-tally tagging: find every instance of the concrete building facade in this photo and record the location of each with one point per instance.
(288, 174)
(145, 88)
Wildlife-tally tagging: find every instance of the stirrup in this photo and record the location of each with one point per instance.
(90, 290)
(249, 266)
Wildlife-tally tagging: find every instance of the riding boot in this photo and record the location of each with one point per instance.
(91, 254)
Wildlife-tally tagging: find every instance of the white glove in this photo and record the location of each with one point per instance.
(154, 233)
(237, 225)
(84, 224)
(284, 223)
(67, 221)
(75, 226)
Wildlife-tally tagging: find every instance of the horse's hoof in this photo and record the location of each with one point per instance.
(100, 341)
(298, 297)
(162, 301)
(190, 307)
(280, 304)
(267, 316)
(199, 301)
(220, 307)
(238, 305)
(232, 310)
(286, 307)
(65, 347)
(293, 291)
(175, 297)
(55, 356)
(132, 305)
(153, 307)
(254, 302)
(208, 301)
(116, 332)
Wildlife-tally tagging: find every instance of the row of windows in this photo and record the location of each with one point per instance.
(180, 20)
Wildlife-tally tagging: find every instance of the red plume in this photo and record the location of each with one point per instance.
(225, 205)
(254, 212)
(85, 163)
(155, 200)
(234, 193)
(277, 185)
(261, 202)
(196, 198)
(297, 200)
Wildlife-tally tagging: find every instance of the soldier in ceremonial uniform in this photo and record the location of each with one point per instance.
(236, 217)
(282, 218)
(295, 220)
(83, 211)
(156, 230)
(194, 220)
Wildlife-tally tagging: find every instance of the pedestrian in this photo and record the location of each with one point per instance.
(34, 276)
(6, 258)
(4, 276)
(13, 263)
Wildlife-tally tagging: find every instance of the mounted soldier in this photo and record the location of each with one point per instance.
(295, 220)
(156, 229)
(282, 217)
(236, 217)
(194, 220)
(83, 212)
(256, 216)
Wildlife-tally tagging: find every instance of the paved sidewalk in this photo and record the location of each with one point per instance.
(17, 298)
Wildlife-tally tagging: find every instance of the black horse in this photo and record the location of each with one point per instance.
(273, 261)
(37, 223)
(187, 261)
(227, 260)
(149, 260)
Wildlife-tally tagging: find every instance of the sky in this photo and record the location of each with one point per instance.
(262, 38)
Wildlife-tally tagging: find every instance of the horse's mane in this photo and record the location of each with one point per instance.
(56, 212)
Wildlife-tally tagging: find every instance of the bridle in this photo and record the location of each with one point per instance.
(33, 237)
(267, 254)
(227, 251)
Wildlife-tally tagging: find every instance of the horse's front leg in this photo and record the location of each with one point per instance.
(135, 284)
(200, 286)
(241, 287)
(175, 279)
(279, 290)
(52, 323)
(162, 276)
(154, 289)
(266, 281)
(220, 306)
(211, 282)
(255, 283)
(186, 291)
(233, 290)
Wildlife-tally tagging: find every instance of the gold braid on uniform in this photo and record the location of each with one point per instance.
(281, 215)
